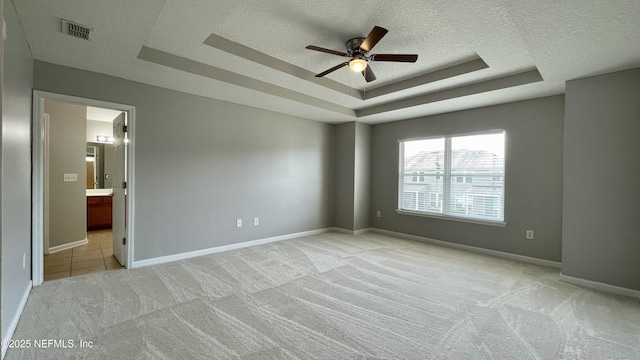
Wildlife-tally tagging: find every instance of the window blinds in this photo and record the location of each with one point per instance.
(459, 176)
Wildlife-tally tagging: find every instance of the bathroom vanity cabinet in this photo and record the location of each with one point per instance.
(98, 212)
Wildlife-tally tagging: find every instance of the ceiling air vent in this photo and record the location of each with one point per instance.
(76, 30)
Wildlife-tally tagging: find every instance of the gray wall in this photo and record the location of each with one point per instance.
(362, 176)
(16, 167)
(202, 163)
(67, 152)
(533, 188)
(343, 213)
(601, 228)
(352, 176)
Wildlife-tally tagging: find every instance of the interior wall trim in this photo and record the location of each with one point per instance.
(223, 248)
(453, 70)
(524, 77)
(456, 68)
(344, 231)
(67, 246)
(245, 52)
(497, 83)
(197, 68)
(16, 318)
(362, 231)
(217, 249)
(618, 290)
(37, 176)
(501, 254)
(351, 232)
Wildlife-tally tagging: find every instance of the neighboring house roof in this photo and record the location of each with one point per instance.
(416, 187)
(462, 160)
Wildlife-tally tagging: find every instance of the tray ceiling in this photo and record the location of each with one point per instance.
(471, 54)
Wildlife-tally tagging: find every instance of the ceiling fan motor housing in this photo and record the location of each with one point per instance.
(353, 48)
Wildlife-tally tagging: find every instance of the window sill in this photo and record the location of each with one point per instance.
(452, 218)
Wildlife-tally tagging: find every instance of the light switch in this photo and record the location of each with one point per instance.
(70, 177)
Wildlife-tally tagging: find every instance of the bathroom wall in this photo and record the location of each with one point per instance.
(67, 152)
(95, 128)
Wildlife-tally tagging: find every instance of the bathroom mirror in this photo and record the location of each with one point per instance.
(99, 165)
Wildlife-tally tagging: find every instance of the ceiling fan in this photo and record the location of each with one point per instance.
(358, 50)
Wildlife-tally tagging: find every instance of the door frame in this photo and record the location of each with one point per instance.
(38, 182)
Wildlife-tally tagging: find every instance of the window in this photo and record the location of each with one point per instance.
(410, 200)
(459, 176)
(435, 200)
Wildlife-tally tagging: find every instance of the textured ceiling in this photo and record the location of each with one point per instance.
(100, 114)
(252, 52)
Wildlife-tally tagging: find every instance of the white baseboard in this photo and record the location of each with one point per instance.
(341, 230)
(16, 318)
(600, 286)
(362, 231)
(351, 232)
(496, 253)
(67, 246)
(213, 250)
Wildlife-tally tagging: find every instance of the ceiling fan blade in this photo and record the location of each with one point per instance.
(328, 51)
(332, 69)
(394, 57)
(368, 74)
(372, 39)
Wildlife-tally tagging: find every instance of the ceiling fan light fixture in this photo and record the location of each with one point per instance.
(357, 65)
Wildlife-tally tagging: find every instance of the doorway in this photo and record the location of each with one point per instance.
(119, 198)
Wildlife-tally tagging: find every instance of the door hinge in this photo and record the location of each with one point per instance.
(124, 128)
(124, 184)
(124, 241)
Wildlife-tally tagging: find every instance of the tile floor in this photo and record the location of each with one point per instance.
(95, 256)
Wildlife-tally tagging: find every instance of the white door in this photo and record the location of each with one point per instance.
(119, 200)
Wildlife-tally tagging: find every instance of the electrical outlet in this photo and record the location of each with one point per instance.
(529, 234)
(256, 221)
(239, 223)
(70, 177)
(378, 213)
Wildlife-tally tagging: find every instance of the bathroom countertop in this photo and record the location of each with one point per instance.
(99, 192)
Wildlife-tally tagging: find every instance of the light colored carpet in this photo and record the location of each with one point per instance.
(331, 296)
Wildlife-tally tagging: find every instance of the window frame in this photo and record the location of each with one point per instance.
(449, 176)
